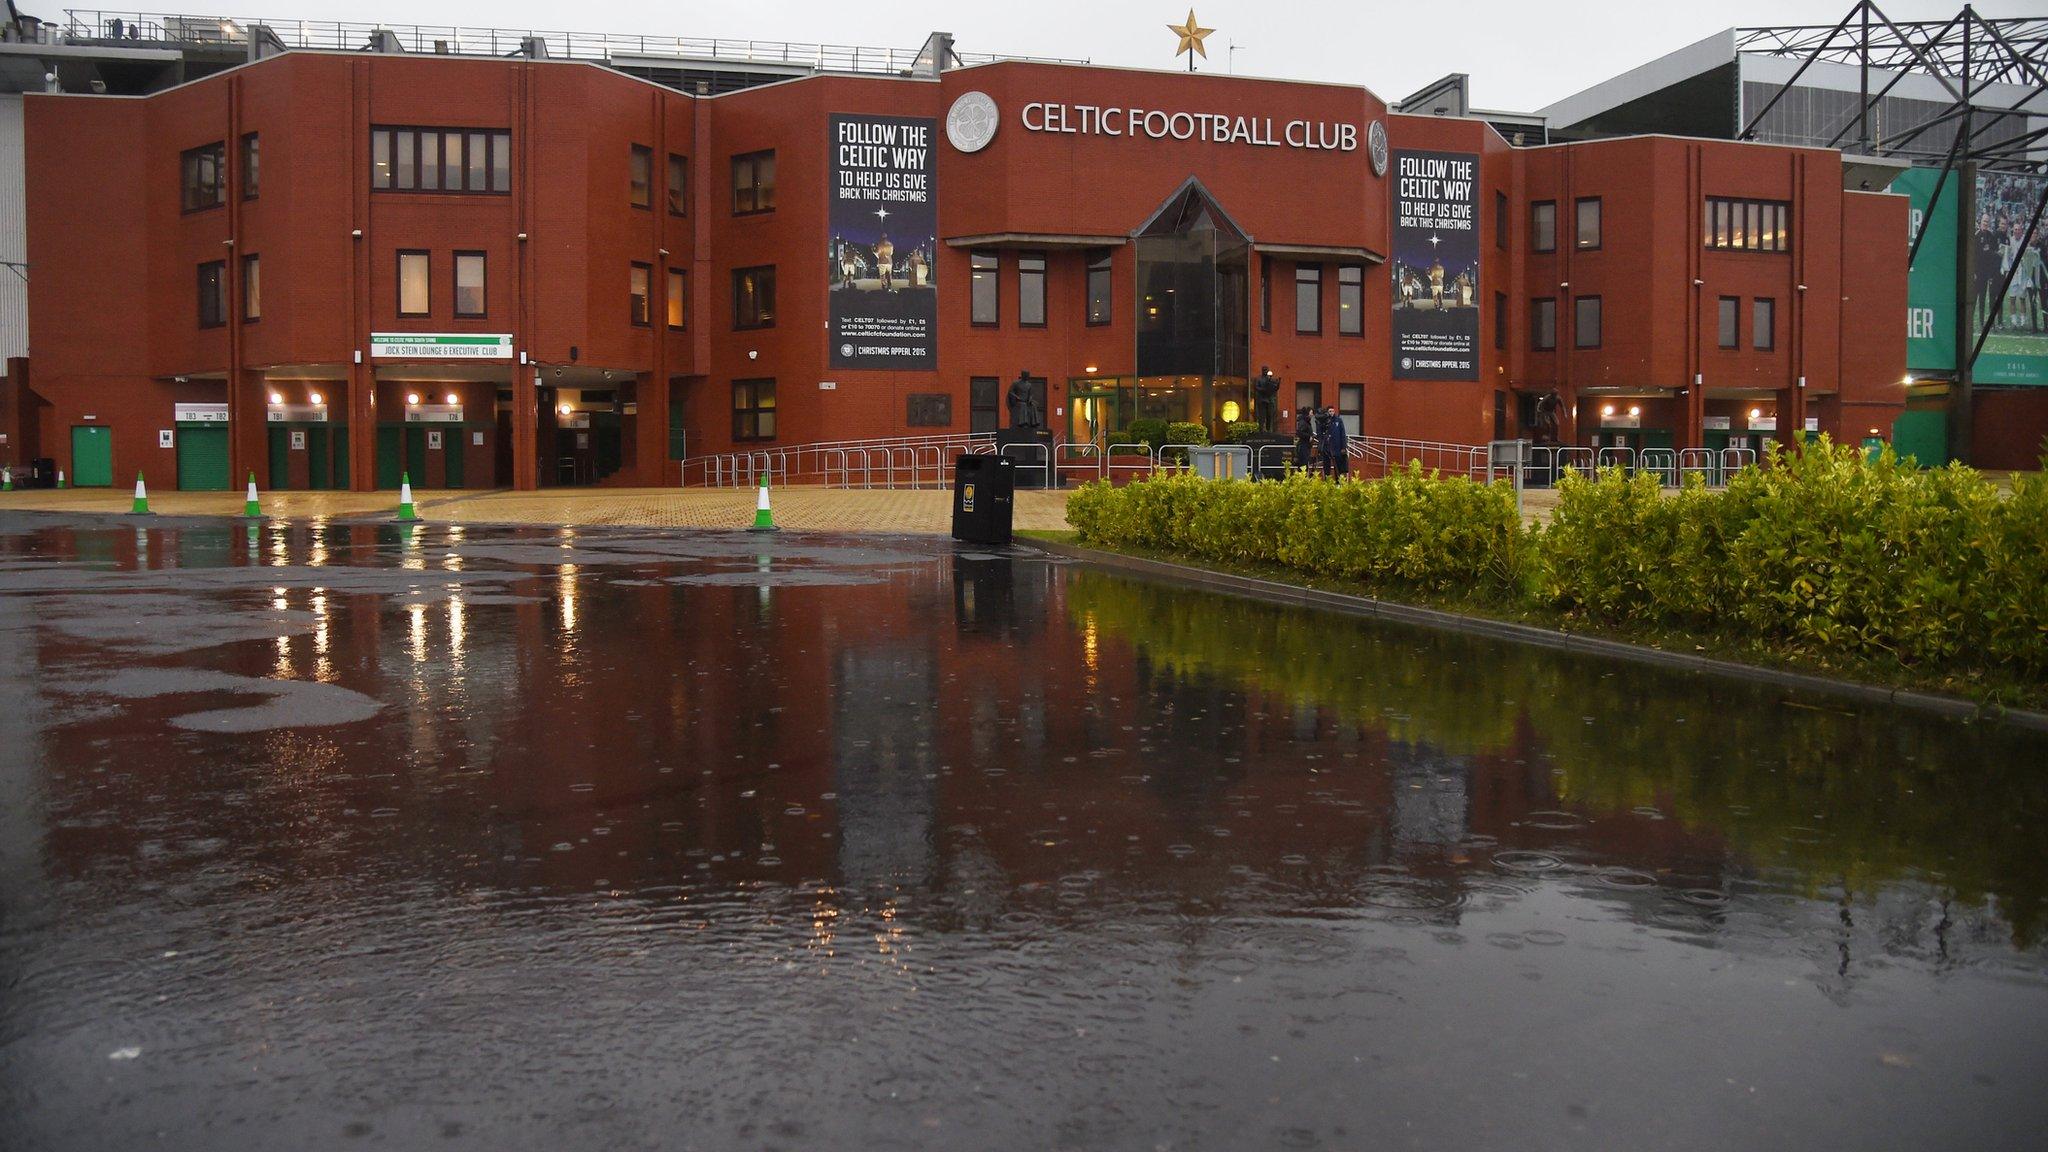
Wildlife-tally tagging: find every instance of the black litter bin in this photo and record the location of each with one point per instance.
(42, 473)
(984, 496)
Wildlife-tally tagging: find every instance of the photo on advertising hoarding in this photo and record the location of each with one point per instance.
(2016, 350)
(883, 220)
(1931, 281)
(1436, 266)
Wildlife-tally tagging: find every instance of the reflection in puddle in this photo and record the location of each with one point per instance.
(377, 832)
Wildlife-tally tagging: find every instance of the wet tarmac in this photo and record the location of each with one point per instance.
(344, 836)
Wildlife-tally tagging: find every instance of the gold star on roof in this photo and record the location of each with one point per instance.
(1191, 37)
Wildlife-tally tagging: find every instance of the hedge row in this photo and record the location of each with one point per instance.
(1825, 551)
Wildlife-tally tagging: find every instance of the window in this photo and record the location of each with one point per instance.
(1350, 300)
(469, 284)
(1265, 293)
(675, 299)
(1308, 298)
(1763, 324)
(982, 288)
(1500, 220)
(1307, 394)
(753, 297)
(753, 183)
(983, 413)
(1543, 324)
(1586, 322)
(1351, 406)
(640, 173)
(202, 184)
(1586, 229)
(753, 410)
(1747, 225)
(1543, 226)
(1730, 338)
(440, 160)
(678, 185)
(1500, 320)
(1031, 290)
(252, 171)
(252, 288)
(1099, 279)
(213, 294)
(636, 306)
(414, 282)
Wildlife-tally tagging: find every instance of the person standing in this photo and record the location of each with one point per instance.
(1336, 462)
(1304, 438)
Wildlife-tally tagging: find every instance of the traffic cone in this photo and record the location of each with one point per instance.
(250, 507)
(405, 511)
(60, 477)
(141, 505)
(764, 520)
(6, 479)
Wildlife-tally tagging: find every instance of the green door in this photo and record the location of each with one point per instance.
(280, 457)
(452, 444)
(202, 457)
(389, 439)
(1656, 438)
(92, 456)
(316, 457)
(416, 454)
(341, 477)
(1922, 433)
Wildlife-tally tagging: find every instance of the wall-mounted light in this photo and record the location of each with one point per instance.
(522, 237)
(276, 398)
(565, 409)
(228, 243)
(315, 399)
(1090, 369)
(1696, 281)
(661, 251)
(1802, 287)
(453, 399)
(1908, 381)
(753, 354)
(1755, 413)
(357, 233)
(1607, 409)
(1635, 410)
(412, 397)
(1230, 412)
(1875, 432)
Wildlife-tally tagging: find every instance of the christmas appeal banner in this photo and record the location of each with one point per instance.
(1436, 266)
(884, 222)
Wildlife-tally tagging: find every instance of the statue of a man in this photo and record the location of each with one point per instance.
(1023, 400)
(1546, 418)
(1266, 399)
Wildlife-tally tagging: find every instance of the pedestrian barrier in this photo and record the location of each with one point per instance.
(1025, 451)
(894, 462)
(1614, 456)
(1700, 462)
(1735, 460)
(1084, 460)
(1145, 466)
(1661, 463)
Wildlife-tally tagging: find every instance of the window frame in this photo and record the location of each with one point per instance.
(497, 143)
(1501, 239)
(217, 297)
(678, 184)
(250, 271)
(1353, 415)
(398, 266)
(751, 162)
(250, 157)
(1579, 223)
(640, 295)
(1025, 276)
(1734, 223)
(483, 284)
(739, 275)
(640, 177)
(1579, 342)
(1763, 333)
(1265, 293)
(191, 188)
(1101, 263)
(752, 411)
(1537, 210)
(1314, 280)
(1500, 321)
(1351, 283)
(675, 307)
(993, 272)
(1537, 340)
(1728, 322)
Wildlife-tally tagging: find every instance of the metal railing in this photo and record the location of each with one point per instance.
(894, 462)
(1379, 455)
(95, 24)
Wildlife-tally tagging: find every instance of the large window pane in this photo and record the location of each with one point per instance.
(1586, 233)
(1308, 298)
(430, 159)
(1031, 291)
(477, 159)
(252, 287)
(415, 282)
(982, 288)
(380, 158)
(1763, 324)
(1350, 300)
(1543, 324)
(640, 176)
(753, 297)
(469, 283)
(638, 280)
(1543, 226)
(1728, 320)
(1586, 322)
(675, 299)
(678, 184)
(501, 162)
(407, 144)
(1099, 279)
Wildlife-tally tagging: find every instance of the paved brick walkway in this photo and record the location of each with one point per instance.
(800, 509)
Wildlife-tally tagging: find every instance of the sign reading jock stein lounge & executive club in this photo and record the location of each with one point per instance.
(441, 345)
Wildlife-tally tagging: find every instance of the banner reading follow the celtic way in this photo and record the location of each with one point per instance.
(883, 217)
(1436, 266)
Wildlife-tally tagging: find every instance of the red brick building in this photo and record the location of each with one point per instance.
(329, 268)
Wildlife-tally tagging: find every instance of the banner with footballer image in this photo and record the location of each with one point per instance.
(883, 224)
(1436, 266)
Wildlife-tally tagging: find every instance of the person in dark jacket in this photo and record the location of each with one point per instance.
(1304, 437)
(1336, 462)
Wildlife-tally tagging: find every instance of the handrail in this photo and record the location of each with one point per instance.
(914, 461)
(1617, 456)
(1662, 463)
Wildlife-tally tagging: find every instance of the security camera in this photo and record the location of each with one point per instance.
(522, 237)
(356, 232)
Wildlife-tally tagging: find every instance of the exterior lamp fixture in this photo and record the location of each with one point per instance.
(276, 398)
(565, 409)
(412, 397)
(356, 233)
(1635, 410)
(1090, 369)
(1875, 432)
(1607, 409)
(314, 399)
(1230, 412)
(1908, 381)
(453, 399)
(1754, 413)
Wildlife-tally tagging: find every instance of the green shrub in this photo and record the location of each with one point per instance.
(1151, 433)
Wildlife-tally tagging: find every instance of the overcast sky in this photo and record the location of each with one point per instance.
(1521, 54)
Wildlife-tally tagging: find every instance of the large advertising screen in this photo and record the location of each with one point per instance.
(2016, 349)
(1436, 266)
(884, 224)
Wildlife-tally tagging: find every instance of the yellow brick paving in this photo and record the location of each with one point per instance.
(797, 509)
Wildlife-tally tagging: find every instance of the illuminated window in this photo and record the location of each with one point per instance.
(753, 297)
(469, 284)
(415, 279)
(753, 410)
(252, 288)
(675, 299)
(641, 175)
(639, 280)
(440, 160)
(1350, 300)
(753, 183)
